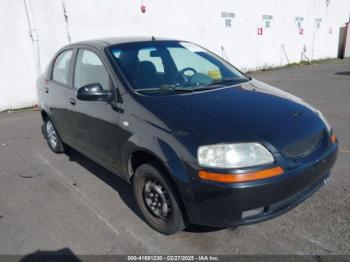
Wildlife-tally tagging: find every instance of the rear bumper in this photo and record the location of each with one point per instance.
(225, 205)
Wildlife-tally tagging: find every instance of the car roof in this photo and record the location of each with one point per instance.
(103, 42)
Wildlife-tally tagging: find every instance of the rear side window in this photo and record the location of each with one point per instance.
(61, 67)
(89, 69)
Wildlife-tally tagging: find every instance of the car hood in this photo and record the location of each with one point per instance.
(252, 111)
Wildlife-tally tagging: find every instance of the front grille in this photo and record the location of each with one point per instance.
(303, 147)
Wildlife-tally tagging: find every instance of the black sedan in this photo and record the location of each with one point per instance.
(200, 141)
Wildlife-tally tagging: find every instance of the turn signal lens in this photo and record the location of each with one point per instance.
(236, 178)
(334, 138)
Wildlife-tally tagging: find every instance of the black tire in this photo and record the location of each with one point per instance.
(152, 173)
(51, 135)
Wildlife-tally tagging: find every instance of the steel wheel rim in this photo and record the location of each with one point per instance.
(157, 199)
(51, 134)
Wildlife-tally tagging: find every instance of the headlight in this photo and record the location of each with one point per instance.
(234, 155)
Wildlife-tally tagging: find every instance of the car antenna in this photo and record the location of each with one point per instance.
(153, 38)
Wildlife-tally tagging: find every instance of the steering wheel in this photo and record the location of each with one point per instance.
(181, 74)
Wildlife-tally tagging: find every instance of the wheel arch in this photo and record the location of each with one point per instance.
(156, 148)
(141, 156)
(146, 148)
(44, 115)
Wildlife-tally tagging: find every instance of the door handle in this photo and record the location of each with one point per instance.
(46, 89)
(72, 101)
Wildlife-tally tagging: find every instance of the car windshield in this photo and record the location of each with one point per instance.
(163, 66)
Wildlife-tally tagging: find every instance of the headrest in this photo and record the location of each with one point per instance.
(147, 67)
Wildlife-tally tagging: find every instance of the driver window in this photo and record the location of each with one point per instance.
(184, 58)
(90, 69)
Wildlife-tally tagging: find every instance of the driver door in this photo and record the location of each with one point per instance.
(93, 125)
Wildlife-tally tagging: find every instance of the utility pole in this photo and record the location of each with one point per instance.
(33, 34)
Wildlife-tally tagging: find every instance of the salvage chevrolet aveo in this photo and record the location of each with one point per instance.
(200, 141)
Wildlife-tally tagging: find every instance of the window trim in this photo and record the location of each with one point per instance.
(68, 84)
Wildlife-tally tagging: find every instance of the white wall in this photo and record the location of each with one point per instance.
(196, 20)
(347, 43)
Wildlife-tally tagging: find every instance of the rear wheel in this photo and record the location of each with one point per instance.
(52, 137)
(157, 199)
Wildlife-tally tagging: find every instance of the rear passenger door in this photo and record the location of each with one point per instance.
(93, 125)
(55, 91)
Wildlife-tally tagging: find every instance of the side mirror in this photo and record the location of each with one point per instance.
(93, 92)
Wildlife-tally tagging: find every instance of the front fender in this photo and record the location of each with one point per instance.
(171, 161)
(157, 147)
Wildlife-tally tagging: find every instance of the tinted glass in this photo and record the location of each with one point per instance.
(89, 69)
(61, 67)
(158, 64)
(184, 59)
(144, 54)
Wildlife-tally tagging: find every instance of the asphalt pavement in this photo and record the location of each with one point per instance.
(66, 202)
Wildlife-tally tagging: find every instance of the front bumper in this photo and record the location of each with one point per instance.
(225, 205)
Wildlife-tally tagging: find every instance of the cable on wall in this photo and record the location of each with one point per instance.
(303, 55)
(66, 19)
(223, 53)
(33, 34)
(283, 50)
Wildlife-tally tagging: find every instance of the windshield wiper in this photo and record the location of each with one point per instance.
(165, 88)
(228, 80)
(215, 84)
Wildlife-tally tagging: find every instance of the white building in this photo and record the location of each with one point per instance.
(250, 34)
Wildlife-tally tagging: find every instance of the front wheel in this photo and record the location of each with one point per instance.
(52, 137)
(157, 199)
